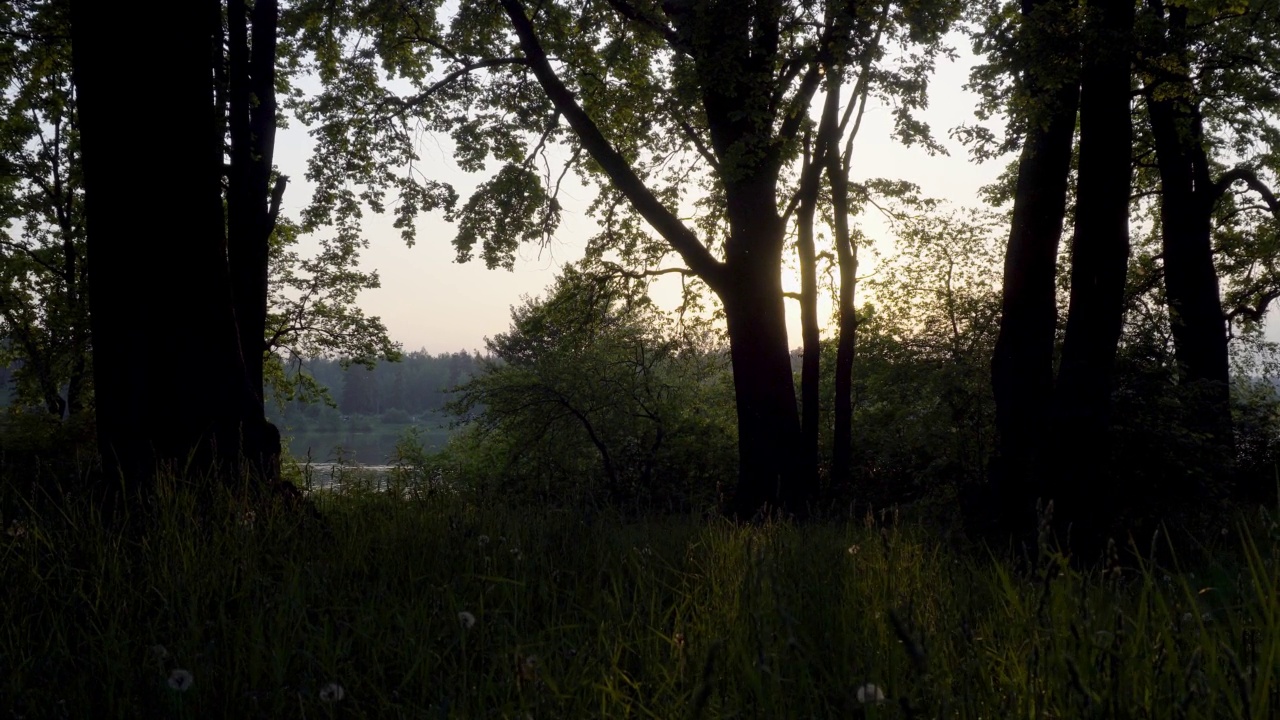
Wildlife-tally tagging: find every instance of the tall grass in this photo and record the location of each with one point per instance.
(595, 617)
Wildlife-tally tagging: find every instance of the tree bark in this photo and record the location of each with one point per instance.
(1099, 265)
(769, 470)
(1022, 366)
(162, 313)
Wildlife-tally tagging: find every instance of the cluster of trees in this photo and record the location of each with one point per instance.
(719, 133)
(719, 139)
(176, 273)
(1124, 112)
(415, 383)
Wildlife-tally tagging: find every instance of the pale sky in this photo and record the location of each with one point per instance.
(430, 302)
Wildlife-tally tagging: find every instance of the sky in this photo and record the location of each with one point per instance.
(430, 302)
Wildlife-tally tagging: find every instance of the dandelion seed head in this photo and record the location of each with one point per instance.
(854, 549)
(466, 619)
(181, 680)
(483, 540)
(869, 693)
(332, 693)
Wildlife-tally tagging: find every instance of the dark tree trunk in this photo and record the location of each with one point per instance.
(809, 329)
(169, 379)
(1022, 366)
(250, 213)
(770, 472)
(1099, 264)
(846, 345)
(1187, 200)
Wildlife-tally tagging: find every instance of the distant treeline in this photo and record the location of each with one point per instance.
(417, 384)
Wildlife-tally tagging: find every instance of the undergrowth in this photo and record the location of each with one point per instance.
(435, 607)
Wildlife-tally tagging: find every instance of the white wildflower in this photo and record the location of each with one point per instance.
(854, 549)
(869, 693)
(181, 680)
(484, 540)
(332, 693)
(467, 620)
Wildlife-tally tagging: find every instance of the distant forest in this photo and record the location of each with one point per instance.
(368, 409)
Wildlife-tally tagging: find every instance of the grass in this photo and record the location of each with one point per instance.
(575, 618)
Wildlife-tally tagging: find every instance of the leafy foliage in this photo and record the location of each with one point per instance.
(44, 313)
(593, 397)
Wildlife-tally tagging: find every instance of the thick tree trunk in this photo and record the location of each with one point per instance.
(1099, 264)
(771, 475)
(1022, 366)
(168, 376)
(1187, 201)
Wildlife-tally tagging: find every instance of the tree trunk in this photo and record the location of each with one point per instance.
(1022, 366)
(1187, 201)
(809, 329)
(846, 345)
(770, 474)
(1099, 264)
(250, 221)
(168, 375)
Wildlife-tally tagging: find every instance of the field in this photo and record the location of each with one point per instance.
(435, 607)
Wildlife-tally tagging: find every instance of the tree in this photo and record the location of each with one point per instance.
(1206, 68)
(651, 428)
(923, 409)
(181, 300)
(1099, 266)
(644, 99)
(43, 296)
(1047, 54)
(313, 313)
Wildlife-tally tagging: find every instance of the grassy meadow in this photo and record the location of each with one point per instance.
(435, 607)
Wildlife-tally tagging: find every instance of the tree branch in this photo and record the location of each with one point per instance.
(616, 270)
(1251, 179)
(681, 238)
(404, 106)
(632, 13)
